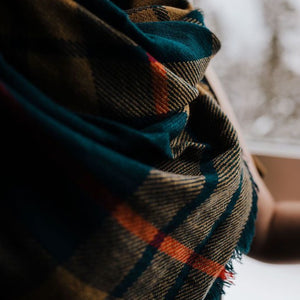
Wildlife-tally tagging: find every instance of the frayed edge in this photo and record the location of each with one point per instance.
(243, 247)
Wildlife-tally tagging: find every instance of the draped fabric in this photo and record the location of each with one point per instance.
(122, 177)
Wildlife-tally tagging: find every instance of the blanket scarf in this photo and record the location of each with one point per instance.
(122, 176)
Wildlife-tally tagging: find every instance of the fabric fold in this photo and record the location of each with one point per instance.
(124, 179)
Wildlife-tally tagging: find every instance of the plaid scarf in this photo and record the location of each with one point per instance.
(123, 178)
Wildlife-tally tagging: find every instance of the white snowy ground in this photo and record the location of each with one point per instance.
(260, 281)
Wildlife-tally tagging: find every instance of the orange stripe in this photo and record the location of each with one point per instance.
(182, 253)
(147, 232)
(141, 228)
(134, 223)
(160, 85)
(124, 214)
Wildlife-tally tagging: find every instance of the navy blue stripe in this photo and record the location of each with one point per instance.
(173, 291)
(209, 187)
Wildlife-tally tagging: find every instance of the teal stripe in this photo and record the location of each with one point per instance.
(75, 135)
(173, 291)
(211, 181)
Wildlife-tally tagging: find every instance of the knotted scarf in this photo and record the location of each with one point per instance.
(122, 177)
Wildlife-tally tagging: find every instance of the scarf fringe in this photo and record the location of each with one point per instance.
(243, 247)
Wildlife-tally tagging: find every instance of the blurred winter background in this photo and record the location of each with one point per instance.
(259, 67)
(259, 63)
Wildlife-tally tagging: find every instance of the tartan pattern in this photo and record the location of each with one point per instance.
(123, 177)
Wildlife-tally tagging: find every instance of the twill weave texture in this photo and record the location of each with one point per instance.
(123, 177)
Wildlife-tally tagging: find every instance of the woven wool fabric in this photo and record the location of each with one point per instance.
(123, 178)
